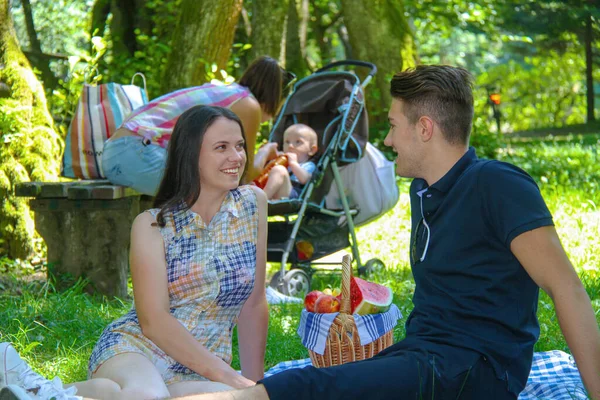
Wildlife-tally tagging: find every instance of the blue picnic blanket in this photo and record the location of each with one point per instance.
(553, 376)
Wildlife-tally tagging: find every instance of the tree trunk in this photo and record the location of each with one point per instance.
(380, 34)
(268, 22)
(203, 36)
(589, 68)
(100, 11)
(36, 58)
(294, 51)
(30, 148)
(127, 16)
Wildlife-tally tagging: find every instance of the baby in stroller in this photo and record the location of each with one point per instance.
(299, 145)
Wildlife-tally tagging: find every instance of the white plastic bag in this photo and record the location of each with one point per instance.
(370, 186)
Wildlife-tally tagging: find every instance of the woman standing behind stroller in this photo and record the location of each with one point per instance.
(197, 266)
(135, 155)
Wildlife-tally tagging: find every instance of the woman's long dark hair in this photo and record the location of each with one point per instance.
(181, 180)
(264, 78)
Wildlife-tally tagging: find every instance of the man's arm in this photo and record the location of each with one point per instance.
(543, 257)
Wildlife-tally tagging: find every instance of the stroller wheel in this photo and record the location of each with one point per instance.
(276, 282)
(296, 283)
(373, 265)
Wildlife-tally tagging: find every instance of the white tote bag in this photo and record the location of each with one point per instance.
(370, 185)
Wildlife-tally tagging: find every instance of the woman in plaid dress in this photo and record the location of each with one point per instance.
(198, 269)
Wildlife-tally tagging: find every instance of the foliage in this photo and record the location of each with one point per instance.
(531, 52)
(153, 48)
(61, 25)
(551, 21)
(541, 91)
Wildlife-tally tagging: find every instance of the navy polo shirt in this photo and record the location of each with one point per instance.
(471, 291)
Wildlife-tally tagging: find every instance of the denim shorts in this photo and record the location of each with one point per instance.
(129, 161)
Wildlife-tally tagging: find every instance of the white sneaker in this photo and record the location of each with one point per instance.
(14, 371)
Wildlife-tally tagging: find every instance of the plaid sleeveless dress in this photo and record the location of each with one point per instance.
(211, 271)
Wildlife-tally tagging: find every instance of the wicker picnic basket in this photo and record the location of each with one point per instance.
(343, 343)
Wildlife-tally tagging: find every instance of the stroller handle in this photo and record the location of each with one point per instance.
(356, 63)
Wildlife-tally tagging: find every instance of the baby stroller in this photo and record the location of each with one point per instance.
(332, 103)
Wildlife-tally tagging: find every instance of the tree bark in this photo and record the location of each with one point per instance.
(380, 34)
(38, 61)
(295, 52)
(203, 36)
(31, 148)
(269, 19)
(589, 68)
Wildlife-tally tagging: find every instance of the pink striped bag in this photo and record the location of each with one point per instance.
(100, 111)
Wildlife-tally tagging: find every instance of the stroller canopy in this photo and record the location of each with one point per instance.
(332, 103)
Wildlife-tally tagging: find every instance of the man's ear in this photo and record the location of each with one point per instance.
(425, 126)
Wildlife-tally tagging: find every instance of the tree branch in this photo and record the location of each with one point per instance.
(334, 20)
(42, 64)
(48, 56)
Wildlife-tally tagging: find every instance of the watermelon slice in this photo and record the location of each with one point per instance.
(368, 297)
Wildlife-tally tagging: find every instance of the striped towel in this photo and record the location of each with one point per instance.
(314, 328)
(553, 376)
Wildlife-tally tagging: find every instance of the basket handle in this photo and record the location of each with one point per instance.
(346, 276)
(143, 80)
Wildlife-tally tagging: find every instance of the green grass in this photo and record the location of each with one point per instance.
(55, 332)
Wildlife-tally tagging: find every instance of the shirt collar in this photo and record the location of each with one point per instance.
(230, 203)
(183, 215)
(448, 180)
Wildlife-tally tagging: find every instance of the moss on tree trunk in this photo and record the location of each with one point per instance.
(30, 148)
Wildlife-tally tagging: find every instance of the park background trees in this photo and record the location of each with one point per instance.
(541, 57)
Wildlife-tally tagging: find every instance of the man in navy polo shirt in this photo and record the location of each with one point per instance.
(482, 243)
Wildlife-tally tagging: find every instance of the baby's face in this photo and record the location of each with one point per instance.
(298, 142)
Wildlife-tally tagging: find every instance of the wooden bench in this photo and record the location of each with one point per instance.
(86, 227)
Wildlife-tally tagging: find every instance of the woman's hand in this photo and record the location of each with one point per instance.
(236, 380)
(265, 153)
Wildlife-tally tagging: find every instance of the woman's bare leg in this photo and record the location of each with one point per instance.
(128, 376)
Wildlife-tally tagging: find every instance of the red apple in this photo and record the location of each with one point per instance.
(327, 304)
(310, 300)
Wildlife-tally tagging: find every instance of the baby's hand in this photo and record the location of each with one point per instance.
(292, 157)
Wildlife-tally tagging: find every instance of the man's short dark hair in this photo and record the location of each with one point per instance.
(441, 92)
